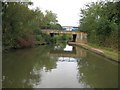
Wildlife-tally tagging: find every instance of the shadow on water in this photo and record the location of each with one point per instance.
(58, 67)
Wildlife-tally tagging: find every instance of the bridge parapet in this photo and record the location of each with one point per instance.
(60, 31)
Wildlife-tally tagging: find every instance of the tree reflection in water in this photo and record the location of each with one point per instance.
(98, 72)
(21, 68)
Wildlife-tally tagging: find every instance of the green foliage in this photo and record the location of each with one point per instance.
(22, 26)
(17, 20)
(55, 26)
(61, 38)
(50, 17)
(50, 21)
(101, 20)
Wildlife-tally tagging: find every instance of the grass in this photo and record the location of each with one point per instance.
(109, 52)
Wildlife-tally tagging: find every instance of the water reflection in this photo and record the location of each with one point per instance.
(98, 72)
(67, 59)
(65, 74)
(68, 51)
(22, 68)
(57, 67)
(68, 48)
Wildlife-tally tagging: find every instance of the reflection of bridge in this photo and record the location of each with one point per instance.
(77, 36)
(76, 53)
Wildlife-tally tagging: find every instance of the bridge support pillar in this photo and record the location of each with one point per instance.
(81, 38)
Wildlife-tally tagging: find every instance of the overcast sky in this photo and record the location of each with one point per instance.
(67, 10)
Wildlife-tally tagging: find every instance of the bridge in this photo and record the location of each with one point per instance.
(78, 36)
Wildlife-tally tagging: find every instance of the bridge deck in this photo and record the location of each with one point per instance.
(61, 31)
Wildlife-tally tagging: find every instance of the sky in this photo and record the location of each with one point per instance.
(67, 11)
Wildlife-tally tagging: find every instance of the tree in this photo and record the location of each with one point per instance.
(49, 19)
(20, 25)
(100, 20)
(17, 24)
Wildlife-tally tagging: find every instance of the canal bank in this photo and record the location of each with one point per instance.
(110, 55)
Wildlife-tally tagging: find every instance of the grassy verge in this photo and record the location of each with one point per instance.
(112, 53)
(106, 52)
(104, 48)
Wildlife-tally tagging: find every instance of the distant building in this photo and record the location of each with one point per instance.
(70, 28)
(74, 28)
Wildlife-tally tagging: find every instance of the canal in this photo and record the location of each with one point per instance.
(60, 66)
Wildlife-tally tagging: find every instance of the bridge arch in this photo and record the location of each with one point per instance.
(74, 37)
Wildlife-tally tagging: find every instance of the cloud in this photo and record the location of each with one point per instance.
(67, 10)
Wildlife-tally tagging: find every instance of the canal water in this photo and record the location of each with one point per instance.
(60, 66)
